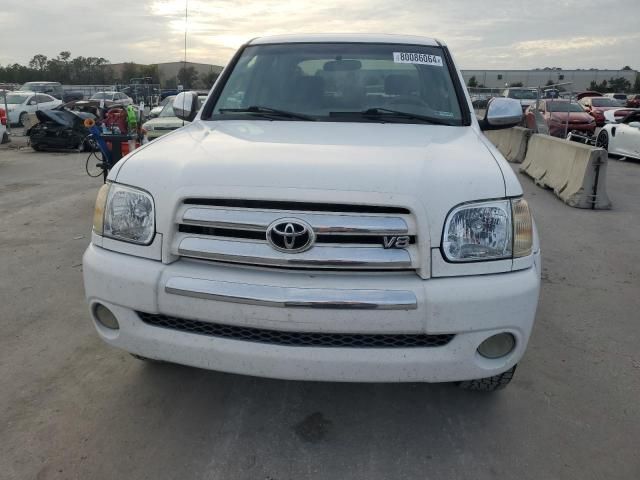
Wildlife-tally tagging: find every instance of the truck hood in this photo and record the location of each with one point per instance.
(429, 168)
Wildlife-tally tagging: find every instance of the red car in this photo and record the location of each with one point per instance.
(555, 113)
(596, 106)
(633, 101)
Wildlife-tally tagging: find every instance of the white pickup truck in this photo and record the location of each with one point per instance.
(333, 212)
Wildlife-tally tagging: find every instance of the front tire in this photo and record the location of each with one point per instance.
(603, 140)
(22, 119)
(489, 384)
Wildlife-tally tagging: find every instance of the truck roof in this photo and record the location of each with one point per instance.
(347, 37)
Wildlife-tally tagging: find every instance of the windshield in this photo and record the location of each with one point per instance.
(318, 80)
(167, 110)
(102, 96)
(604, 102)
(563, 107)
(522, 94)
(15, 99)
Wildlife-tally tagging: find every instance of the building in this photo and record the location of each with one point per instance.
(579, 79)
(168, 71)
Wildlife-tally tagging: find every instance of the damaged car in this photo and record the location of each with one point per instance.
(60, 128)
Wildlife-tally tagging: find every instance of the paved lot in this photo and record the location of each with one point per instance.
(72, 408)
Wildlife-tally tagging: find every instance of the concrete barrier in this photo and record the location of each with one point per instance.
(576, 173)
(511, 142)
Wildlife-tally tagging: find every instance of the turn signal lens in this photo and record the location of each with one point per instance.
(522, 228)
(98, 212)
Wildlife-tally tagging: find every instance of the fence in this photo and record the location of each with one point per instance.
(147, 93)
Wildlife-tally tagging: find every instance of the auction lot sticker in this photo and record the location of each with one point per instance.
(419, 58)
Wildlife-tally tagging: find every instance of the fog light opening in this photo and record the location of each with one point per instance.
(497, 346)
(105, 317)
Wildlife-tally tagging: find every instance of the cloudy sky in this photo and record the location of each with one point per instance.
(481, 33)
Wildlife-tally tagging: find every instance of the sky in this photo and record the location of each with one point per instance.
(491, 34)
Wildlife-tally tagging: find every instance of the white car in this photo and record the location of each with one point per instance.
(333, 212)
(155, 111)
(21, 103)
(621, 137)
(112, 98)
(166, 121)
(526, 96)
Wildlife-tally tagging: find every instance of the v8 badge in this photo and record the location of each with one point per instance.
(402, 241)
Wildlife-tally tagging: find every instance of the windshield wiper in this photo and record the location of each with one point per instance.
(378, 112)
(268, 112)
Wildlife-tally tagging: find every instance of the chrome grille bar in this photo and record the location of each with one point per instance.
(320, 256)
(274, 296)
(259, 220)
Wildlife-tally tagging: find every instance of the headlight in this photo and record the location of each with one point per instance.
(124, 213)
(490, 230)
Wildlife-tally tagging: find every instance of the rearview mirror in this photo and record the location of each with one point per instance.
(501, 112)
(186, 105)
(342, 66)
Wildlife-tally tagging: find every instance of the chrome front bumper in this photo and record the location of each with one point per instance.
(473, 308)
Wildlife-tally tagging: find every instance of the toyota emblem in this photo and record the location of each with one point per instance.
(290, 235)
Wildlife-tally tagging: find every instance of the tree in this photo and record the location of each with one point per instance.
(187, 77)
(209, 79)
(38, 62)
(598, 87)
(516, 84)
(473, 83)
(627, 67)
(636, 85)
(619, 84)
(129, 70)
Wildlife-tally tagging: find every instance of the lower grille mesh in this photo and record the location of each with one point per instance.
(295, 339)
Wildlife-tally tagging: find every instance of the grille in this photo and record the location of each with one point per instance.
(296, 339)
(347, 236)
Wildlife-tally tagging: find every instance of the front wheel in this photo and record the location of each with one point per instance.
(489, 384)
(22, 119)
(603, 140)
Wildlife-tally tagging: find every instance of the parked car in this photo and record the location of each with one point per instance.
(596, 106)
(54, 89)
(633, 101)
(582, 95)
(59, 128)
(321, 231)
(166, 121)
(112, 98)
(621, 137)
(620, 97)
(21, 103)
(525, 96)
(4, 137)
(155, 111)
(556, 112)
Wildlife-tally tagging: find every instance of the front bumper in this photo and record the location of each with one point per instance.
(473, 308)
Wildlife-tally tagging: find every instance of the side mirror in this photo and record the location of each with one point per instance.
(186, 105)
(501, 112)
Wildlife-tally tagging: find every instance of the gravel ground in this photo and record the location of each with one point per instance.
(73, 408)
